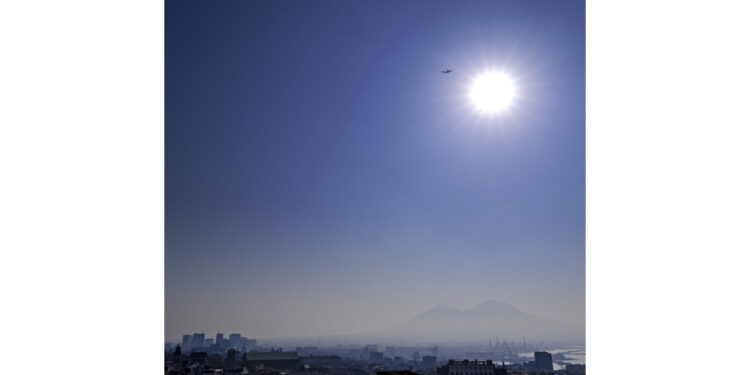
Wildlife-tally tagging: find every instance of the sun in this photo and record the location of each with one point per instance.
(493, 92)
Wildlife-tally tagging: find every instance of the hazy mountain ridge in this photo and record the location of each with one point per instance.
(448, 324)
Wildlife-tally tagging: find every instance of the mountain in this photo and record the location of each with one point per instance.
(440, 312)
(486, 320)
(495, 309)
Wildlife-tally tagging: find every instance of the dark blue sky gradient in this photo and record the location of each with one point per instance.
(323, 176)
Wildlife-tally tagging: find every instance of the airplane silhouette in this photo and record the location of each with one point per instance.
(446, 71)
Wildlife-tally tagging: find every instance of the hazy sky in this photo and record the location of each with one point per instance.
(323, 176)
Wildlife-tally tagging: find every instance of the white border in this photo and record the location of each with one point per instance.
(668, 181)
(81, 197)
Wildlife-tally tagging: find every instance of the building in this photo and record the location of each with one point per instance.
(275, 360)
(198, 340)
(467, 367)
(543, 361)
(376, 356)
(429, 361)
(220, 338)
(236, 340)
(187, 341)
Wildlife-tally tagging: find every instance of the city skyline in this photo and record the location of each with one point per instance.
(453, 331)
(240, 354)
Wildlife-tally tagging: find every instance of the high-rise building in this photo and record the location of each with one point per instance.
(198, 340)
(220, 338)
(208, 342)
(235, 339)
(187, 341)
(543, 361)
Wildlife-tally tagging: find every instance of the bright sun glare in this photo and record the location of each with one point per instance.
(493, 92)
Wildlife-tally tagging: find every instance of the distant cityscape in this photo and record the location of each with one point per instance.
(235, 354)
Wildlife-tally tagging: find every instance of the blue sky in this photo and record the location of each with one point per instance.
(323, 176)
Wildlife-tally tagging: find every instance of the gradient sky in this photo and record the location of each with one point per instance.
(324, 177)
